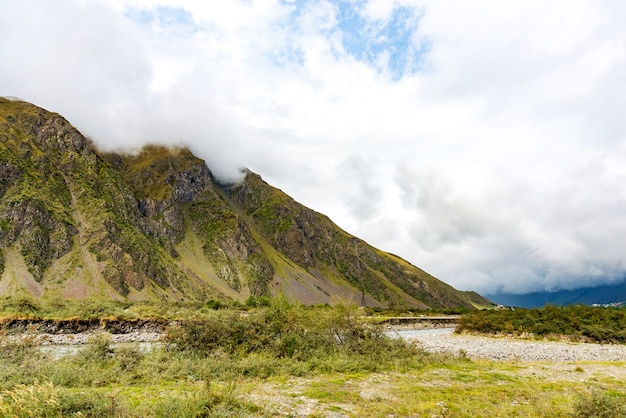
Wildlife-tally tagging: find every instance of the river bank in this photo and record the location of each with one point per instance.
(80, 331)
(437, 339)
(508, 348)
(508, 377)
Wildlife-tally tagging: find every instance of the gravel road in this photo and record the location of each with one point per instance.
(505, 348)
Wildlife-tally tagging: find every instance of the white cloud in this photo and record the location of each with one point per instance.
(483, 141)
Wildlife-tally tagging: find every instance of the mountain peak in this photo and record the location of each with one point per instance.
(76, 222)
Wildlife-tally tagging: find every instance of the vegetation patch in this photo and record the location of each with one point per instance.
(277, 358)
(577, 322)
(323, 338)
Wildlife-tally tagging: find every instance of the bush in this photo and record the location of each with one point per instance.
(215, 304)
(20, 305)
(251, 302)
(87, 404)
(16, 351)
(599, 405)
(98, 348)
(290, 331)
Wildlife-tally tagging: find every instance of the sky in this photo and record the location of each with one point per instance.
(483, 141)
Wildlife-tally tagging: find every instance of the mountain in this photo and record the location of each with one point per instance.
(596, 295)
(76, 223)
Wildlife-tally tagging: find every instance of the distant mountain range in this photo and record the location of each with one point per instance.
(601, 295)
(79, 223)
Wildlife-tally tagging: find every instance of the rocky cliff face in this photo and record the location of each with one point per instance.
(75, 222)
(313, 241)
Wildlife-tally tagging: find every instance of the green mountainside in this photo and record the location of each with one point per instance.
(78, 223)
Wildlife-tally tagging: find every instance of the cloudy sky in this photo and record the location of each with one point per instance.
(483, 141)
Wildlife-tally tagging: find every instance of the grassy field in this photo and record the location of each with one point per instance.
(281, 359)
(127, 383)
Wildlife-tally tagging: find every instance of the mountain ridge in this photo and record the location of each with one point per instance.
(156, 225)
(607, 294)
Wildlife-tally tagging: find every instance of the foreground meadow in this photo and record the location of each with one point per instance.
(282, 359)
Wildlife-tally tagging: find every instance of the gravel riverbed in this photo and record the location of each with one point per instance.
(435, 340)
(47, 339)
(507, 348)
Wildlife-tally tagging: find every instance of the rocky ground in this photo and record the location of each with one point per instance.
(473, 346)
(507, 348)
(74, 332)
(84, 337)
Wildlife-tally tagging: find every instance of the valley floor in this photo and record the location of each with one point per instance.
(502, 377)
(474, 389)
(506, 348)
(490, 376)
(472, 346)
(445, 341)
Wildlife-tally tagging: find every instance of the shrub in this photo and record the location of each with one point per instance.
(127, 358)
(20, 305)
(88, 404)
(215, 304)
(251, 302)
(16, 351)
(599, 405)
(290, 331)
(98, 348)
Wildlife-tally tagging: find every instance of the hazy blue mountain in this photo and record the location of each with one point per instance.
(605, 294)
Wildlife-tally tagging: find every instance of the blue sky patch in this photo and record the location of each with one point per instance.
(367, 40)
(382, 44)
(170, 19)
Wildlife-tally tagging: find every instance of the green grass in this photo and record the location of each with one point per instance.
(58, 308)
(432, 391)
(284, 359)
(168, 384)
